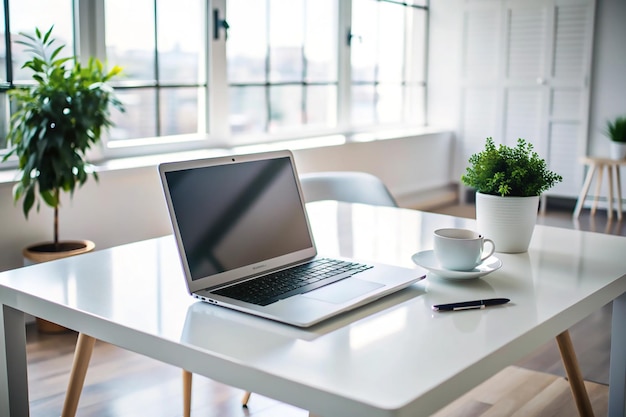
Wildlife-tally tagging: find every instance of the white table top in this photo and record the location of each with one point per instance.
(395, 357)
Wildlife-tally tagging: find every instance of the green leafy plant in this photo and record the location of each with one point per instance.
(616, 129)
(57, 120)
(509, 171)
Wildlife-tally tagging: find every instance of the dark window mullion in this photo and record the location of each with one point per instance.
(268, 103)
(405, 4)
(7, 43)
(9, 81)
(157, 107)
(305, 89)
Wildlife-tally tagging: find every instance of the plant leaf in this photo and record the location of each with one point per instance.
(56, 120)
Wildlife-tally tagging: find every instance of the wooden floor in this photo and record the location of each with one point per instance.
(122, 383)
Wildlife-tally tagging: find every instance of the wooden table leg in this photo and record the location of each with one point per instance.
(82, 355)
(619, 192)
(187, 377)
(598, 189)
(609, 209)
(584, 191)
(576, 382)
(246, 398)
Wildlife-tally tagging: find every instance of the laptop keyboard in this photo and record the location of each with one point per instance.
(270, 288)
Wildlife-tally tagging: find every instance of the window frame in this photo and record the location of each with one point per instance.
(89, 30)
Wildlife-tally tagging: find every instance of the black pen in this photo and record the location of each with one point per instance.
(468, 305)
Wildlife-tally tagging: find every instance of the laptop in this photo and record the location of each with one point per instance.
(241, 228)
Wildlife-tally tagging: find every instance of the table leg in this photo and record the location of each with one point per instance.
(619, 192)
(617, 371)
(245, 398)
(598, 188)
(576, 381)
(585, 190)
(82, 356)
(13, 366)
(609, 209)
(187, 377)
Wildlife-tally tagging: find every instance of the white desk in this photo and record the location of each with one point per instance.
(393, 358)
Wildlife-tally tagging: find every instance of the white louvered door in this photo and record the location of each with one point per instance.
(526, 75)
(568, 112)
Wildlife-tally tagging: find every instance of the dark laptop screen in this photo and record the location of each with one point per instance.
(238, 214)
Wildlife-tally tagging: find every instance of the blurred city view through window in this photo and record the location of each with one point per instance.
(288, 65)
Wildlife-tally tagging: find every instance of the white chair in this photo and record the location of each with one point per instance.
(347, 186)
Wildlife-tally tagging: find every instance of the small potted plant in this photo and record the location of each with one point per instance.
(616, 131)
(56, 122)
(508, 183)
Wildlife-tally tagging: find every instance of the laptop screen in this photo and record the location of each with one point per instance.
(237, 214)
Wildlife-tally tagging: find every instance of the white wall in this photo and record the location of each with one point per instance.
(445, 60)
(608, 84)
(127, 204)
(444, 71)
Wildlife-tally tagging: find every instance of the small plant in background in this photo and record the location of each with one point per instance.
(616, 129)
(509, 171)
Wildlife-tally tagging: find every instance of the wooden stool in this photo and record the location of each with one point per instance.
(598, 164)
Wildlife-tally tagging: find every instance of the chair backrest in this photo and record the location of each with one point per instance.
(348, 186)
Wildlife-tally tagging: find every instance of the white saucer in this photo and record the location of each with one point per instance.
(426, 259)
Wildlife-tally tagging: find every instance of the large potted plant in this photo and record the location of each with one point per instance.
(616, 132)
(57, 120)
(508, 183)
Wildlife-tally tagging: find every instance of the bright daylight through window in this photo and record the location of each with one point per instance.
(200, 74)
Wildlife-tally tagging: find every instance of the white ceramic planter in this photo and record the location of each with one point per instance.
(618, 150)
(508, 221)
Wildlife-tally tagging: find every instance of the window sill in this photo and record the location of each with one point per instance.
(10, 175)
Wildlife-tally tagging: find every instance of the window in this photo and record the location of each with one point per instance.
(24, 17)
(282, 70)
(387, 64)
(164, 79)
(201, 73)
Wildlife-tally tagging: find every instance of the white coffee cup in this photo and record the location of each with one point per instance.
(461, 249)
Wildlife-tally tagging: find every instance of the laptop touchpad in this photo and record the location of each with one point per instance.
(342, 291)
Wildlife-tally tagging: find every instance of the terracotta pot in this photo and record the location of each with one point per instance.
(47, 251)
